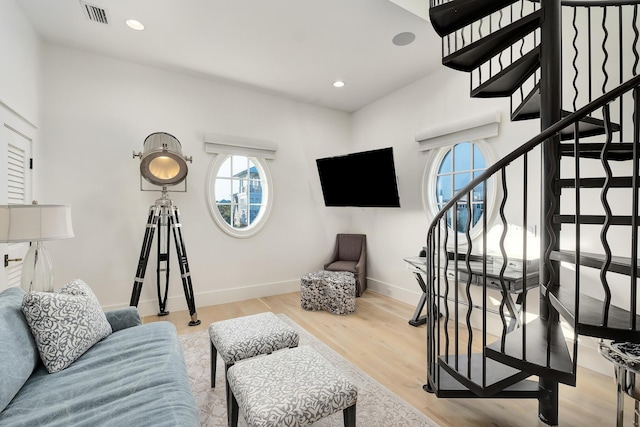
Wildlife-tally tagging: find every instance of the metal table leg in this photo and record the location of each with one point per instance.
(620, 374)
(416, 319)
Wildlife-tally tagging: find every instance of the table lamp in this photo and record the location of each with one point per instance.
(35, 223)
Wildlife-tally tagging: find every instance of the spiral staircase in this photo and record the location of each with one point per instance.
(574, 66)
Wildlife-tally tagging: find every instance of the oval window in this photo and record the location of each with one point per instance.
(239, 194)
(451, 170)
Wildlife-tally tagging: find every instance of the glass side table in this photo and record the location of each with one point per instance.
(626, 362)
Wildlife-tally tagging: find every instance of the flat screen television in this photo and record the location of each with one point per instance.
(365, 179)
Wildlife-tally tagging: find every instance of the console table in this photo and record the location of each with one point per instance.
(512, 277)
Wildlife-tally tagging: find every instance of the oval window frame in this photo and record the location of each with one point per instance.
(432, 166)
(267, 192)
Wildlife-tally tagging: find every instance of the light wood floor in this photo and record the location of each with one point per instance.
(378, 339)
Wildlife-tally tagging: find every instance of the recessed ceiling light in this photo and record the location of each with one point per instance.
(338, 83)
(136, 25)
(403, 39)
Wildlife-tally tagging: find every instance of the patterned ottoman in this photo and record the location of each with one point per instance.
(332, 291)
(293, 387)
(248, 336)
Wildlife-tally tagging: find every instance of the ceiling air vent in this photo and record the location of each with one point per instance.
(94, 13)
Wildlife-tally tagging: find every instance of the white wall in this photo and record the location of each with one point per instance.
(20, 101)
(441, 97)
(21, 70)
(98, 110)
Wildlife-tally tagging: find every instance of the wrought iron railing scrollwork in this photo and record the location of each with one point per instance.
(608, 215)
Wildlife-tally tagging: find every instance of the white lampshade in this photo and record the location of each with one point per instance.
(35, 223)
(31, 223)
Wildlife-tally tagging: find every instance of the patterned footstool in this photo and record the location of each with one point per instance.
(290, 388)
(245, 337)
(332, 291)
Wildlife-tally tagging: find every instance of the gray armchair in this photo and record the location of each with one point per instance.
(350, 254)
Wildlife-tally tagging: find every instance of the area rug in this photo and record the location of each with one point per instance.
(377, 406)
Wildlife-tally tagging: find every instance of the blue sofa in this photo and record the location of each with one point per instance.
(136, 376)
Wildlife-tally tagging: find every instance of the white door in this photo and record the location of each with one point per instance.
(15, 185)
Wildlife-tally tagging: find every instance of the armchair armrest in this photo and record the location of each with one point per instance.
(123, 318)
(362, 260)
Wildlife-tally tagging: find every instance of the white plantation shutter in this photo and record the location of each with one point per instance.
(16, 138)
(16, 194)
(16, 171)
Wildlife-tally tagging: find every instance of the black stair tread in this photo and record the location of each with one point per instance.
(594, 219)
(560, 365)
(451, 16)
(588, 126)
(529, 109)
(591, 150)
(477, 53)
(508, 80)
(614, 182)
(618, 325)
(444, 385)
(618, 264)
(498, 375)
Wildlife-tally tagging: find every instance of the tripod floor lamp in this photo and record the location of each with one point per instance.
(162, 164)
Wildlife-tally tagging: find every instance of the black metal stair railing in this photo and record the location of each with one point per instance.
(496, 20)
(509, 57)
(601, 41)
(604, 56)
(463, 352)
(496, 17)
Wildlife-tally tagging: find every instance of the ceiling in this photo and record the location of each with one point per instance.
(291, 48)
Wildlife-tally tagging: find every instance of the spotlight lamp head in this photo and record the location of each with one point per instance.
(162, 162)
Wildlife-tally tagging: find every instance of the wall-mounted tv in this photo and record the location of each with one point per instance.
(365, 179)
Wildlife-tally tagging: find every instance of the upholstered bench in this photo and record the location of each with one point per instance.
(248, 336)
(293, 387)
(332, 291)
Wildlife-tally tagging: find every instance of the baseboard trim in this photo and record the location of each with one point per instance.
(203, 299)
(149, 307)
(400, 294)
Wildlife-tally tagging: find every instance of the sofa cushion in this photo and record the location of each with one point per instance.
(65, 323)
(134, 377)
(18, 351)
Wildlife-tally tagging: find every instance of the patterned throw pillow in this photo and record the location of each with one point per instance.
(65, 323)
